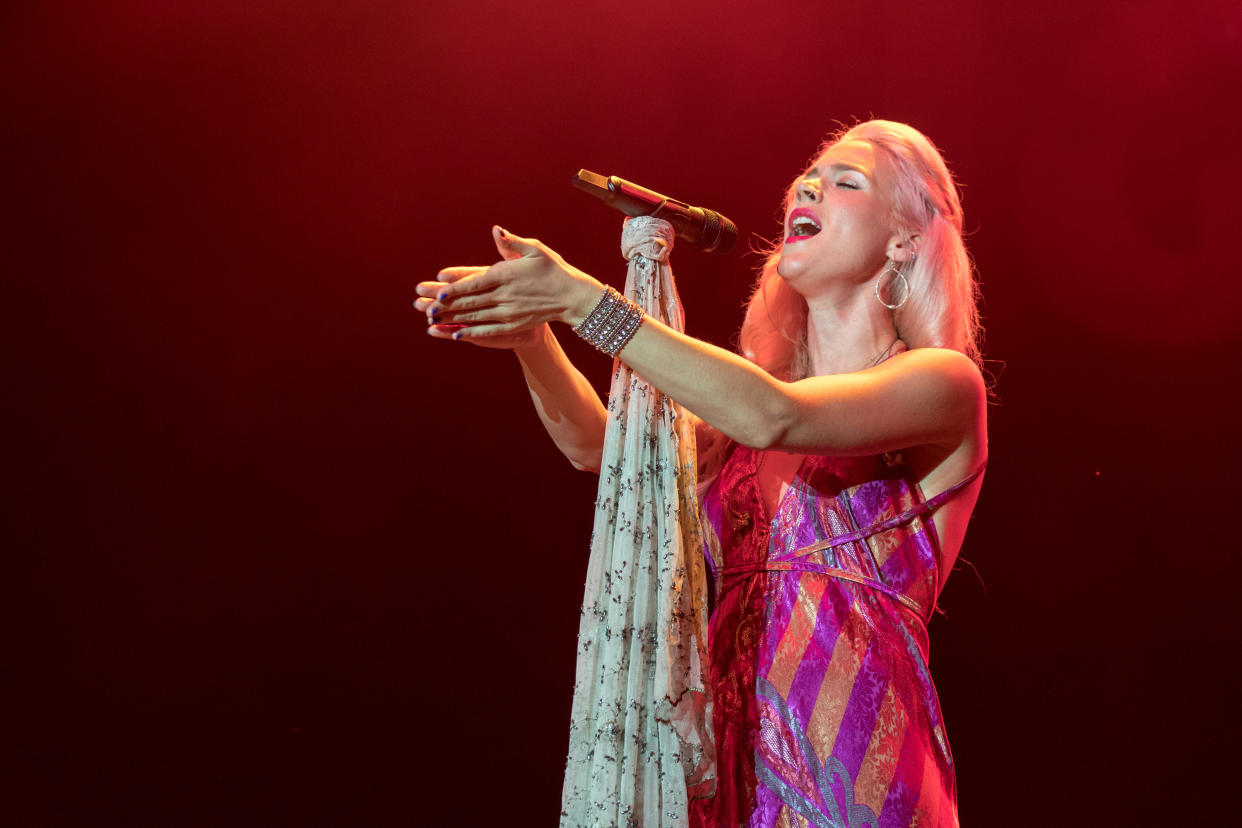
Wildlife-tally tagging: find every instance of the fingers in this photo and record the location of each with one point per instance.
(461, 296)
(471, 333)
(503, 243)
(454, 316)
(472, 301)
(514, 247)
(451, 311)
(432, 294)
(456, 319)
(446, 277)
(438, 310)
(462, 281)
(454, 274)
(441, 330)
(481, 282)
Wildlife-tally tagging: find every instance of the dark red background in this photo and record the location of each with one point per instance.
(275, 557)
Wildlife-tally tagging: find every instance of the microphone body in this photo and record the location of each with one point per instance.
(705, 229)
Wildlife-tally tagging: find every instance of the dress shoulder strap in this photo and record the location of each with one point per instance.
(899, 519)
(934, 502)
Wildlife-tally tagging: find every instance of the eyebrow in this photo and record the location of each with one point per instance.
(839, 167)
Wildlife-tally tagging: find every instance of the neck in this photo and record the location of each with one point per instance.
(849, 333)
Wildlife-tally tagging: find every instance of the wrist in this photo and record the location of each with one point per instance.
(583, 296)
(612, 323)
(535, 343)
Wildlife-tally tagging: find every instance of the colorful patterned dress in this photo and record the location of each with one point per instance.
(825, 713)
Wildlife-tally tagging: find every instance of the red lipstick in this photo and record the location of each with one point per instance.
(808, 219)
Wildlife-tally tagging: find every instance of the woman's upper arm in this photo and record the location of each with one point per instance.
(924, 396)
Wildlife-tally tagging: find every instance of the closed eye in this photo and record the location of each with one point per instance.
(849, 185)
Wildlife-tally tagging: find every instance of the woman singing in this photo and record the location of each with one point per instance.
(842, 454)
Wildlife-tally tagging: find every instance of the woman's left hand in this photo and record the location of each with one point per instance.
(531, 285)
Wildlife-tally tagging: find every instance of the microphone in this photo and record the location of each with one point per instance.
(705, 229)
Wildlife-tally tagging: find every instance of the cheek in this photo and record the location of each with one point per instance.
(862, 241)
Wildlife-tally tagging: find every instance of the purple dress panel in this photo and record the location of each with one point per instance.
(840, 716)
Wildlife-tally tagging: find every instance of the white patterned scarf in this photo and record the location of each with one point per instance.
(640, 744)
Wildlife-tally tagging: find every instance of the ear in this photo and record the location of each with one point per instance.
(903, 247)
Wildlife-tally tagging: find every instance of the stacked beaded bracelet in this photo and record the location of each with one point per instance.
(612, 324)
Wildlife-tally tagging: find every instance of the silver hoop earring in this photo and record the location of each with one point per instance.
(905, 286)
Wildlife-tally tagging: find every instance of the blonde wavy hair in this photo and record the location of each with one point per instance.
(942, 308)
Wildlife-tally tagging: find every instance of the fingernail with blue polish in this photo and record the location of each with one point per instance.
(457, 335)
(443, 295)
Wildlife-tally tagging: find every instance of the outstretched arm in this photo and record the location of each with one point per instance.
(924, 396)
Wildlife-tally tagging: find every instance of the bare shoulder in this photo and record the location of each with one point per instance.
(948, 383)
(938, 365)
(945, 378)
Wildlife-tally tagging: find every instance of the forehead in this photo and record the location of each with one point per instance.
(851, 153)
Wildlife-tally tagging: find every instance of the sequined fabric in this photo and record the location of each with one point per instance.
(640, 746)
(825, 712)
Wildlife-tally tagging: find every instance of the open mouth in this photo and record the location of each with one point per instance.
(802, 224)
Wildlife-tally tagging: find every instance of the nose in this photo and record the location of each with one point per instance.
(808, 190)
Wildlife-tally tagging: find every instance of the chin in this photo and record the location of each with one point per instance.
(787, 266)
(790, 269)
(794, 281)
